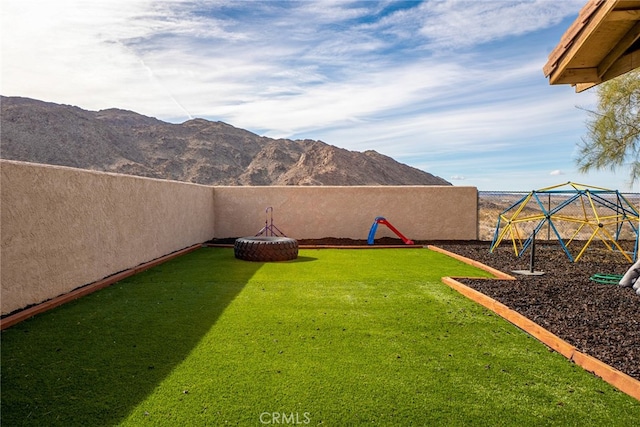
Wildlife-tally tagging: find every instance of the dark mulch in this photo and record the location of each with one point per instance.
(598, 319)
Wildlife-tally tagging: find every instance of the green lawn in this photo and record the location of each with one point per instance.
(336, 337)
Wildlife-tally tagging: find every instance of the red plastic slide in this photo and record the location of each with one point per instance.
(382, 220)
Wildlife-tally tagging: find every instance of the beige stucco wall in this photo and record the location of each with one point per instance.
(418, 212)
(62, 228)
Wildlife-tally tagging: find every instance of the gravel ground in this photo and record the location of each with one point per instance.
(598, 319)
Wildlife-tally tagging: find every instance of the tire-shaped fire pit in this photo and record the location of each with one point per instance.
(266, 248)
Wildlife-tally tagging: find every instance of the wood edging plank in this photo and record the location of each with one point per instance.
(89, 288)
(497, 273)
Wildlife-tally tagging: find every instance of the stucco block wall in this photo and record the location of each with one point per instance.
(62, 228)
(418, 212)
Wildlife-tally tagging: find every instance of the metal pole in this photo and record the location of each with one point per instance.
(533, 252)
(549, 220)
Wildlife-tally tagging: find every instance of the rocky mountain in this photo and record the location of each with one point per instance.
(198, 150)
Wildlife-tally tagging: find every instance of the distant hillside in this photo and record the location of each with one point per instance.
(199, 150)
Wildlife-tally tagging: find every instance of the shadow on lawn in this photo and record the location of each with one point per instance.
(92, 361)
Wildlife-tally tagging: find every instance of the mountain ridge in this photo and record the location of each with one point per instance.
(197, 150)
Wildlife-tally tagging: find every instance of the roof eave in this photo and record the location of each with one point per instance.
(597, 46)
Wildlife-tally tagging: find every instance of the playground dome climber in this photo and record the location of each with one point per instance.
(604, 215)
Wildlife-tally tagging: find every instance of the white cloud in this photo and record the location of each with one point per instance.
(69, 51)
(350, 73)
(460, 23)
(556, 172)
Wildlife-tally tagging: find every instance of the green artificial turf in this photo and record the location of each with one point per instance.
(336, 337)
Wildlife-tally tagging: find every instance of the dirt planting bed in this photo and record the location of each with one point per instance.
(598, 319)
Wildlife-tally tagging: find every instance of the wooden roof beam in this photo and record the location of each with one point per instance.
(624, 15)
(624, 64)
(618, 51)
(578, 75)
(581, 87)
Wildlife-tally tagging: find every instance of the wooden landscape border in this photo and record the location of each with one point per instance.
(616, 378)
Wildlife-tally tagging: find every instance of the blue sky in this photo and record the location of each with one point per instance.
(454, 88)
